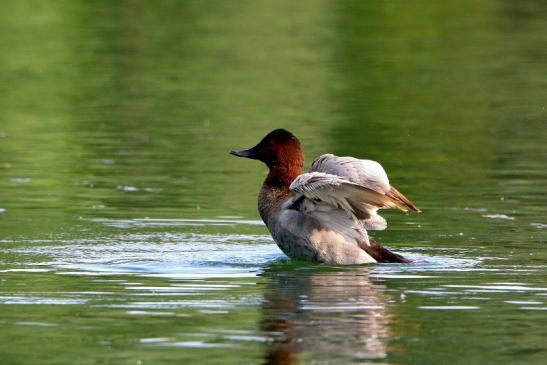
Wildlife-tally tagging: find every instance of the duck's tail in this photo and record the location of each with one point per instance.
(382, 254)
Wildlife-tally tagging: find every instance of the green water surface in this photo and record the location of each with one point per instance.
(128, 235)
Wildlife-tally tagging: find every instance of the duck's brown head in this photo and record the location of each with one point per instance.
(277, 149)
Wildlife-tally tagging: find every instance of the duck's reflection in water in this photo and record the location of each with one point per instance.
(316, 315)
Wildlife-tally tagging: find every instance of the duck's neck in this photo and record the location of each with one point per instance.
(281, 176)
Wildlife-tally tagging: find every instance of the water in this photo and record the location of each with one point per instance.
(129, 235)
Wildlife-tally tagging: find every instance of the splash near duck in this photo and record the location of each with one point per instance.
(323, 215)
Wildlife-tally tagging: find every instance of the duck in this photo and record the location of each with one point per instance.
(324, 215)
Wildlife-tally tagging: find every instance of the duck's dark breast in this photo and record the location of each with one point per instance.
(270, 201)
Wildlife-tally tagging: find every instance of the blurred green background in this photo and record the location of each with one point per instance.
(101, 95)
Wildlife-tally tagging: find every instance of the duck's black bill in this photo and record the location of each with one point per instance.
(250, 153)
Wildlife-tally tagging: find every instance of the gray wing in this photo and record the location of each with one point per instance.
(367, 173)
(339, 208)
(338, 192)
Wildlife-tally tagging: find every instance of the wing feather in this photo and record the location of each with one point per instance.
(341, 193)
(398, 196)
(367, 173)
